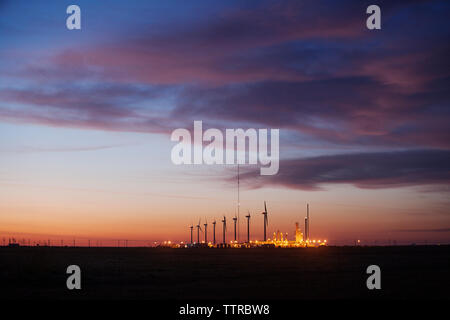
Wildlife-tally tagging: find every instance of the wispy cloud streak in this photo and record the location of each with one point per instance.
(364, 170)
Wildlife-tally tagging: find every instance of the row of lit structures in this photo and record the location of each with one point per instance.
(278, 240)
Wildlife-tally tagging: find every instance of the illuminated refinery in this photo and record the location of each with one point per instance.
(278, 240)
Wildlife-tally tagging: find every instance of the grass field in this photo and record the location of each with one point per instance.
(251, 274)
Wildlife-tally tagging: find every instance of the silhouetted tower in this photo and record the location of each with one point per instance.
(266, 221)
(248, 227)
(308, 235)
(305, 237)
(191, 227)
(206, 230)
(235, 220)
(198, 231)
(238, 206)
(214, 231)
(224, 221)
(298, 234)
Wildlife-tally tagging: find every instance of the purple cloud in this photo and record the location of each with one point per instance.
(363, 170)
(310, 68)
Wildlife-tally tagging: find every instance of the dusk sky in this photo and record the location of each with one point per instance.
(86, 117)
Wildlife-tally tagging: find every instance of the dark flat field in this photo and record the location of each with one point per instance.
(250, 274)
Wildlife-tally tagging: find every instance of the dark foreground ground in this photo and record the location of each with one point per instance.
(251, 274)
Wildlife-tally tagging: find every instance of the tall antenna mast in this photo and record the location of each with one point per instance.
(238, 204)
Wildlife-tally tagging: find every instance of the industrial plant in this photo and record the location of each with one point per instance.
(278, 240)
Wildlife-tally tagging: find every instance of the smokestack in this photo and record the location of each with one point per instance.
(306, 230)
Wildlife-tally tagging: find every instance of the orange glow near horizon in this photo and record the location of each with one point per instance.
(109, 218)
(86, 121)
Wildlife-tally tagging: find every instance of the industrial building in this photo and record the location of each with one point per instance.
(279, 239)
